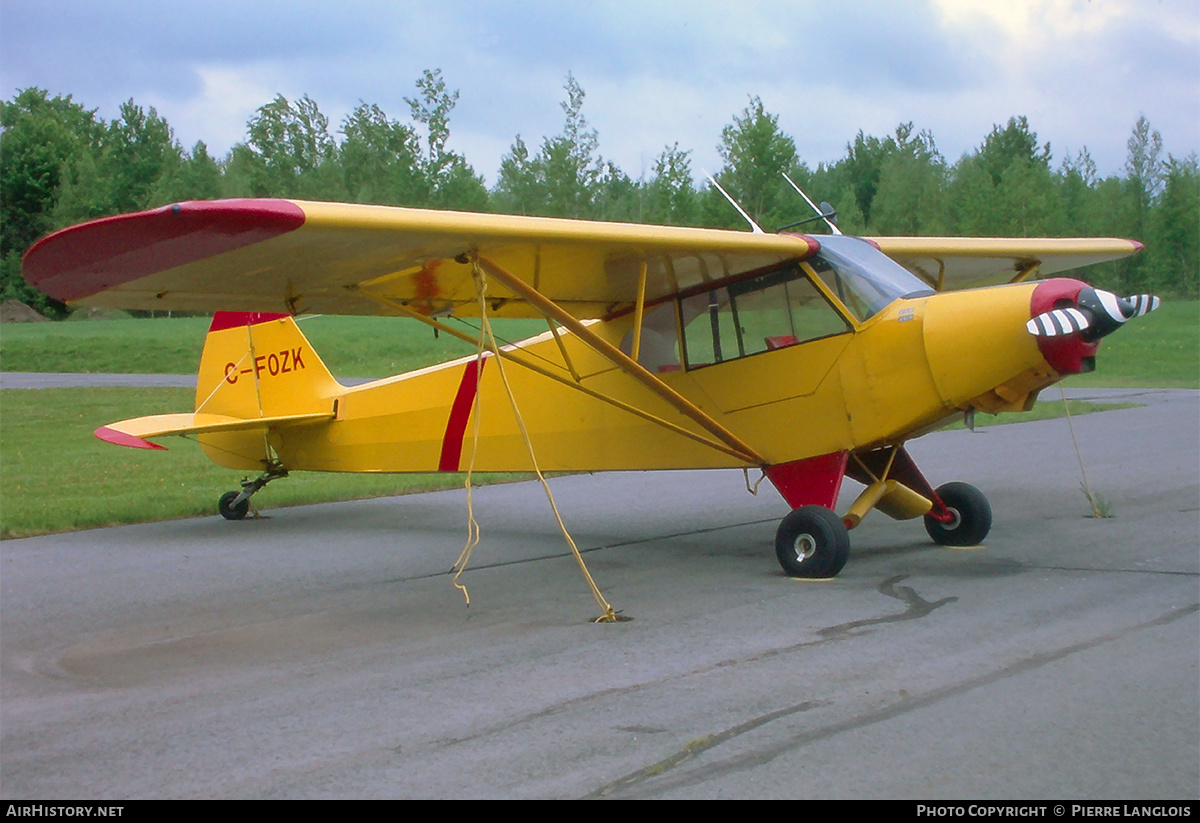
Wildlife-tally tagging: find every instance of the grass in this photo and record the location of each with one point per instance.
(1160, 350)
(350, 346)
(1046, 409)
(55, 476)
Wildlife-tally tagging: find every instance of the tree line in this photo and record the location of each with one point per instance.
(61, 164)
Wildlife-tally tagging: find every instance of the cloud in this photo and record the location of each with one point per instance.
(655, 73)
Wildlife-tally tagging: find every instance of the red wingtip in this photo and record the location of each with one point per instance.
(102, 254)
(122, 439)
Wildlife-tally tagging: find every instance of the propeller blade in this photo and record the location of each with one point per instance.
(1109, 312)
(1142, 304)
(1058, 322)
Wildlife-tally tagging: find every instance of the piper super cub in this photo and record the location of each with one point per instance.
(810, 357)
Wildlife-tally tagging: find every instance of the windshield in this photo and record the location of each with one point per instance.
(863, 278)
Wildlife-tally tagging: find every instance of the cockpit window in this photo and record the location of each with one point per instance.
(863, 278)
(774, 310)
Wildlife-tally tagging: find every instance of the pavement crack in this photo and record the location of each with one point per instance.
(917, 607)
(695, 747)
(798, 740)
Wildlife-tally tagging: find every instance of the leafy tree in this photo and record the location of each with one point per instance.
(40, 146)
(1005, 188)
(195, 176)
(1076, 183)
(864, 162)
(1173, 242)
(671, 194)
(756, 155)
(42, 142)
(137, 150)
(570, 167)
(450, 181)
(519, 188)
(1012, 145)
(911, 189)
(289, 147)
(618, 197)
(380, 160)
(564, 178)
(1144, 167)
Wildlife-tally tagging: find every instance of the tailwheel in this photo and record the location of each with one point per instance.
(231, 508)
(812, 541)
(965, 520)
(235, 505)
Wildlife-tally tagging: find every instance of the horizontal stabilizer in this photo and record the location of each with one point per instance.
(133, 433)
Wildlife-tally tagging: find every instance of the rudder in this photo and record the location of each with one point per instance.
(261, 365)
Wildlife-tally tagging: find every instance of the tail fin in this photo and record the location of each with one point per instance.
(258, 377)
(261, 365)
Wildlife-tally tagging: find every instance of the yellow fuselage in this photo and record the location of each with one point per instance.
(904, 371)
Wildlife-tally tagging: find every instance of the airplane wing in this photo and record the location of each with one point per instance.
(971, 262)
(290, 256)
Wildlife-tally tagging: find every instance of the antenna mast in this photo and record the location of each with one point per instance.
(833, 228)
(754, 227)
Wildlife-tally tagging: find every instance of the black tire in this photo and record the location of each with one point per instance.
(812, 541)
(228, 510)
(972, 516)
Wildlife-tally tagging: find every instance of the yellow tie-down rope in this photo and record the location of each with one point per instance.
(486, 337)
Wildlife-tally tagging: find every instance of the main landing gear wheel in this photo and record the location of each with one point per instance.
(972, 516)
(812, 541)
(230, 511)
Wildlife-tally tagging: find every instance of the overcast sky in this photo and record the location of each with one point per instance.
(655, 72)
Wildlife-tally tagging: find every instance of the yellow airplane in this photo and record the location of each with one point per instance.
(812, 358)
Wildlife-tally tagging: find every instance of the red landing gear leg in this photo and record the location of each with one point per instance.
(812, 541)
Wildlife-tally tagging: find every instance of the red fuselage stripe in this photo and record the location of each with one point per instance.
(460, 413)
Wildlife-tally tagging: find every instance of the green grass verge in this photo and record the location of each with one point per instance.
(350, 346)
(55, 476)
(1160, 350)
(1046, 409)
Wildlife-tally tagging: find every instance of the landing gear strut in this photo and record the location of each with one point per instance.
(235, 505)
(814, 542)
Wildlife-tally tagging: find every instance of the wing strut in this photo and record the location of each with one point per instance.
(621, 360)
(638, 312)
(509, 354)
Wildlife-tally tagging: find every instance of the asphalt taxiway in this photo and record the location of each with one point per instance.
(321, 651)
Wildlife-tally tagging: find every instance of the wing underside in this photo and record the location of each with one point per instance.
(972, 262)
(271, 256)
(301, 257)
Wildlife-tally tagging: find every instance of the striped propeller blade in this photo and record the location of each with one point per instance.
(1058, 322)
(1142, 304)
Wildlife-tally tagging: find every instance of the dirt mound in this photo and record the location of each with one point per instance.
(14, 311)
